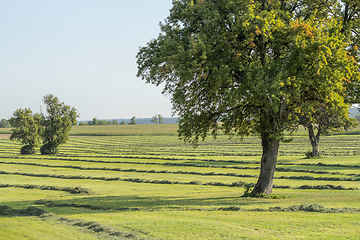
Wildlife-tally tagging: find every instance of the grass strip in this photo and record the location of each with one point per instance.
(321, 165)
(142, 163)
(139, 180)
(177, 172)
(73, 190)
(49, 203)
(296, 208)
(196, 173)
(351, 179)
(103, 230)
(131, 170)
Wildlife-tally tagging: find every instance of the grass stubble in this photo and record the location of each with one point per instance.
(141, 182)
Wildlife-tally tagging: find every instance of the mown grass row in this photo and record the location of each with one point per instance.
(72, 190)
(155, 186)
(170, 146)
(206, 173)
(139, 180)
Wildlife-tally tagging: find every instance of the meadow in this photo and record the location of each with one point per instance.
(142, 182)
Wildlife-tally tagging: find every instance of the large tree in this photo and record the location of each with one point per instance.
(252, 65)
(26, 128)
(57, 124)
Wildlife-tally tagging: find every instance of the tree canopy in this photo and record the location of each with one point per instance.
(252, 65)
(57, 124)
(26, 129)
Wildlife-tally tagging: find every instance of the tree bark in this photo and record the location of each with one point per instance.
(268, 165)
(315, 141)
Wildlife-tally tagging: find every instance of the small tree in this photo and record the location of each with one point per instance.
(320, 119)
(157, 119)
(123, 122)
(115, 122)
(160, 119)
(26, 129)
(132, 121)
(57, 124)
(154, 119)
(4, 123)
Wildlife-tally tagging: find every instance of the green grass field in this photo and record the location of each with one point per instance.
(142, 182)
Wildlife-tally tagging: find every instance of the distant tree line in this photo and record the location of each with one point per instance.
(95, 122)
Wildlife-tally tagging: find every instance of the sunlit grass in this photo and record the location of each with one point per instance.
(174, 208)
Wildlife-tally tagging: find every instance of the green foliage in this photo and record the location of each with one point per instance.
(132, 121)
(48, 149)
(123, 122)
(57, 124)
(157, 119)
(308, 154)
(27, 149)
(252, 70)
(27, 129)
(95, 122)
(4, 123)
(251, 65)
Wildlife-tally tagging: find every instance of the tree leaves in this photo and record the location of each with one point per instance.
(241, 61)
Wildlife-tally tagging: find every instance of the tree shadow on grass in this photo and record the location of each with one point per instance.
(138, 203)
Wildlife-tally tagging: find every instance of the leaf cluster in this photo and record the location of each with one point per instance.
(250, 66)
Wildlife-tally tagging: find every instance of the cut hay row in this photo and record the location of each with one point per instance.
(139, 180)
(204, 173)
(72, 190)
(145, 184)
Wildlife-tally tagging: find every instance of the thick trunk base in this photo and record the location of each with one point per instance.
(264, 184)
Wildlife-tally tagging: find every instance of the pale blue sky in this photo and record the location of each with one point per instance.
(83, 52)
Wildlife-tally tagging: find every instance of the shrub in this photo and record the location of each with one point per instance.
(27, 149)
(48, 149)
(308, 154)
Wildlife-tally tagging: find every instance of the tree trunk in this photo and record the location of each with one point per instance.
(315, 141)
(268, 165)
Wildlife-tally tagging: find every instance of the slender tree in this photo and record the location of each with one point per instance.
(157, 119)
(154, 119)
(252, 65)
(160, 119)
(321, 120)
(57, 124)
